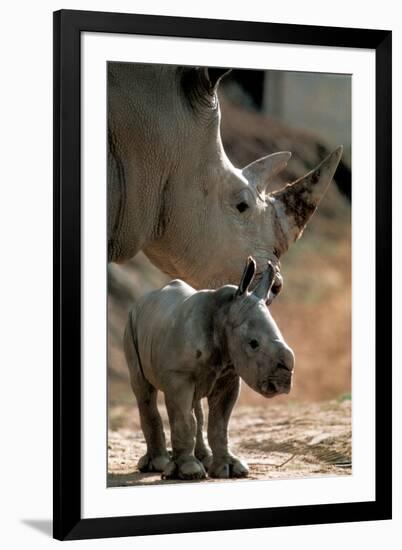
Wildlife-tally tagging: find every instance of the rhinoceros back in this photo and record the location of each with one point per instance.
(154, 316)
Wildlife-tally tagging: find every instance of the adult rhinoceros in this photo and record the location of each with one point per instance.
(174, 194)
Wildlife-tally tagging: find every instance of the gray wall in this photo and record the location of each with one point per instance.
(319, 102)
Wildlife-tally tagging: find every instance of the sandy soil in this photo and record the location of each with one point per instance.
(278, 441)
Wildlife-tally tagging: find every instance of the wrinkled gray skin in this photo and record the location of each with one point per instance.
(191, 345)
(172, 191)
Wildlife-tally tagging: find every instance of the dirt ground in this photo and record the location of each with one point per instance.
(278, 441)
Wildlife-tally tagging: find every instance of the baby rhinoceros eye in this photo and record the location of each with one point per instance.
(277, 286)
(253, 343)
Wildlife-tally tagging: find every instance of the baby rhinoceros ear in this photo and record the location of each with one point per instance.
(264, 285)
(247, 277)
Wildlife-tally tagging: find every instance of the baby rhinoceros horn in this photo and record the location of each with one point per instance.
(265, 283)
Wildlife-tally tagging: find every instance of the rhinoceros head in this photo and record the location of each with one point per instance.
(209, 215)
(254, 343)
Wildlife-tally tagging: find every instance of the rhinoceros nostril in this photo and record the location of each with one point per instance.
(272, 387)
(283, 366)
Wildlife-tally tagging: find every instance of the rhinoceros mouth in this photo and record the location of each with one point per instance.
(269, 389)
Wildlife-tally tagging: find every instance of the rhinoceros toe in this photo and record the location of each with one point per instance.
(153, 464)
(191, 468)
(239, 469)
(207, 461)
(205, 457)
(228, 467)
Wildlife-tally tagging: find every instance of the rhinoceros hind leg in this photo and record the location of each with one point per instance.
(156, 456)
(183, 430)
(153, 464)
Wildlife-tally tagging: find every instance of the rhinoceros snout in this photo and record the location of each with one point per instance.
(286, 360)
(279, 379)
(276, 386)
(271, 387)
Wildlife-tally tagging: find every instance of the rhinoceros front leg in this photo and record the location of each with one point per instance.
(184, 464)
(221, 402)
(202, 451)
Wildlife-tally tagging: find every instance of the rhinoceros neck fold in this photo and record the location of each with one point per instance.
(189, 223)
(117, 199)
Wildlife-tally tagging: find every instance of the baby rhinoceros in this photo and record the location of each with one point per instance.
(191, 345)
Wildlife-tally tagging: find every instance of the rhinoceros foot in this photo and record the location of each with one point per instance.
(226, 467)
(189, 468)
(205, 457)
(153, 464)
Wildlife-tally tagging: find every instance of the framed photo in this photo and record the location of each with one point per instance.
(175, 141)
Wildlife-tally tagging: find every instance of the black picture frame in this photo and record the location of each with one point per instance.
(68, 26)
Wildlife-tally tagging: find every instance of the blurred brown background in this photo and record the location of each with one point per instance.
(265, 112)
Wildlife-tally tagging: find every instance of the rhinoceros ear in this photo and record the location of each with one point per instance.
(296, 202)
(247, 276)
(200, 84)
(215, 74)
(261, 172)
(265, 283)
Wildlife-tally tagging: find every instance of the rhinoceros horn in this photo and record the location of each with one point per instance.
(296, 202)
(261, 172)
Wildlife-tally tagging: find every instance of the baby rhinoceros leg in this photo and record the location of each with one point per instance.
(221, 402)
(202, 451)
(156, 458)
(184, 464)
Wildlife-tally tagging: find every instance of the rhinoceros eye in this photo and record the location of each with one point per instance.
(242, 206)
(253, 344)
